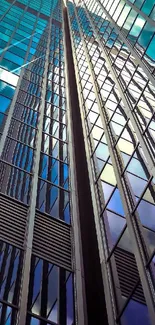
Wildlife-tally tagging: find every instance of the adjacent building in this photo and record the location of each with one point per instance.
(77, 162)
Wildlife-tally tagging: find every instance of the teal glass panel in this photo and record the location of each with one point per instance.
(19, 44)
(151, 48)
(2, 121)
(6, 31)
(4, 104)
(147, 6)
(2, 45)
(14, 58)
(4, 37)
(8, 26)
(18, 51)
(21, 32)
(6, 89)
(9, 65)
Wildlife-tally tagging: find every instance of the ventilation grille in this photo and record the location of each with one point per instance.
(128, 274)
(52, 240)
(13, 216)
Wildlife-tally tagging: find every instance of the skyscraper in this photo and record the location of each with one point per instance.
(77, 162)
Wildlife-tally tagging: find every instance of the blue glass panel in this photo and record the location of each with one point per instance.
(147, 214)
(34, 321)
(4, 104)
(126, 242)
(135, 167)
(65, 172)
(115, 203)
(36, 286)
(135, 314)
(8, 316)
(151, 238)
(67, 214)
(13, 279)
(107, 190)
(69, 294)
(137, 184)
(52, 292)
(116, 225)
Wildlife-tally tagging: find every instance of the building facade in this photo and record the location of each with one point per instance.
(77, 162)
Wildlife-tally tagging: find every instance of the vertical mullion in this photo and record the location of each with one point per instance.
(62, 273)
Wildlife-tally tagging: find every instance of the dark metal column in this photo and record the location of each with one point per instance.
(95, 301)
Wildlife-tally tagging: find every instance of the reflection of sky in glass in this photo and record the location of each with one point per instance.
(115, 203)
(135, 314)
(147, 214)
(116, 225)
(129, 16)
(4, 104)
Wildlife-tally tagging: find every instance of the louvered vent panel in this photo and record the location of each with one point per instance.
(128, 274)
(52, 240)
(13, 216)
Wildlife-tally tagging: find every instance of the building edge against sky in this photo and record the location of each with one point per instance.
(77, 162)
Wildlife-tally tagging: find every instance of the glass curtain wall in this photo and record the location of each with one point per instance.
(28, 30)
(113, 44)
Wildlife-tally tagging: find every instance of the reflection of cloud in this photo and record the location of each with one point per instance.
(8, 77)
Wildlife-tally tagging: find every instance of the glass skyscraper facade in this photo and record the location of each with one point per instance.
(77, 162)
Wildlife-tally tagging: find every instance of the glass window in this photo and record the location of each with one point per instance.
(14, 58)
(10, 66)
(135, 313)
(102, 151)
(6, 89)
(107, 190)
(115, 225)
(115, 203)
(2, 121)
(146, 212)
(108, 174)
(4, 104)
